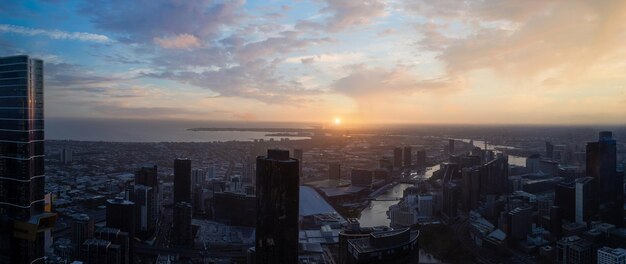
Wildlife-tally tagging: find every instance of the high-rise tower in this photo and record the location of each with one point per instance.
(277, 203)
(602, 165)
(23, 217)
(182, 180)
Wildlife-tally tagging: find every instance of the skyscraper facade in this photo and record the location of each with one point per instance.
(602, 165)
(182, 180)
(120, 214)
(408, 158)
(299, 154)
(23, 218)
(334, 171)
(397, 157)
(181, 223)
(277, 203)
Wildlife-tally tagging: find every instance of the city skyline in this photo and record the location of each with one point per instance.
(478, 62)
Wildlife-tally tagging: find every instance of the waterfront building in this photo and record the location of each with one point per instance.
(399, 245)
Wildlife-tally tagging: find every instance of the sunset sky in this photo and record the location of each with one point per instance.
(444, 61)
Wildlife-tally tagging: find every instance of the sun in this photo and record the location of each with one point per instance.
(337, 121)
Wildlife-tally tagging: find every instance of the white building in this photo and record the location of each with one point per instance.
(607, 255)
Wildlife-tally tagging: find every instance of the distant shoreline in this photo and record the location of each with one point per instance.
(269, 130)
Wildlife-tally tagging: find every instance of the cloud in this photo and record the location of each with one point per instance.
(367, 82)
(524, 39)
(256, 80)
(143, 20)
(54, 34)
(387, 32)
(346, 14)
(181, 41)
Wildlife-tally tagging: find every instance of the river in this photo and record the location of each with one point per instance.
(513, 160)
(376, 213)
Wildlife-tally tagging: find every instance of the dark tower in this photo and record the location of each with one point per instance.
(181, 223)
(277, 203)
(147, 175)
(397, 157)
(120, 214)
(182, 180)
(602, 165)
(408, 158)
(451, 146)
(22, 215)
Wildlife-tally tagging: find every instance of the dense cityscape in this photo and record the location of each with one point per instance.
(440, 194)
(312, 132)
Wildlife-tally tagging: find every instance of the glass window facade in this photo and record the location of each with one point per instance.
(21, 154)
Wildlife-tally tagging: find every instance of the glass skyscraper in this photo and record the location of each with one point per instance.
(23, 217)
(277, 183)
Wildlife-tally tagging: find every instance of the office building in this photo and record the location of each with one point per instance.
(299, 154)
(353, 230)
(117, 237)
(82, 229)
(420, 158)
(66, 155)
(397, 157)
(607, 255)
(495, 177)
(519, 223)
(182, 180)
(408, 158)
(451, 146)
(565, 198)
(182, 235)
(147, 175)
(549, 150)
(145, 211)
(470, 188)
(585, 199)
(451, 197)
(602, 165)
(223, 204)
(24, 218)
(98, 251)
(277, 208)
(361, 178)
(394, 246)
(198, 177)
(120, 214)
(573, 249)
(334, 171)
(385, 163)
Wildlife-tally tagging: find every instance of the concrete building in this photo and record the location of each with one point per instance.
(607, 255)
(574, 250)
(381, 247)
